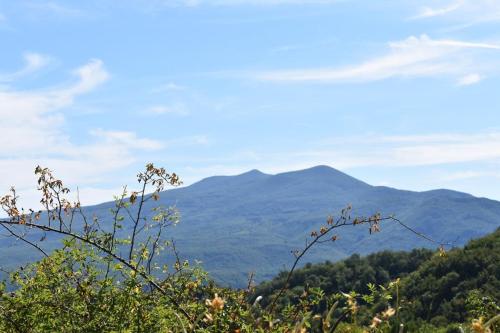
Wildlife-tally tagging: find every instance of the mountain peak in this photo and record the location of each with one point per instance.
(253, 172)
(321, 169)
(248, 177)
(326, 175)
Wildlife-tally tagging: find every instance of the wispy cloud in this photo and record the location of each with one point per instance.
(462, 175)
(33, 132)
(53, 8)
(413, 57)
(32, 63)
(91, 75)
(469, 79)
(178, 109)
(31, 120)
(169, 87)
(412, 150)
(126, 139)
(466, 12)
(426, 12)
(194, 140)
(369, 151)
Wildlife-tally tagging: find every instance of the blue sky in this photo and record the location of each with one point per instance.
(396, 93)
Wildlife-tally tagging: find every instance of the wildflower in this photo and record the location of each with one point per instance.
(257, 300)
(155, 196)
(133, 197)
(353, 305)
(351, 302)
(394, 283)
(375, 322)
(478, 326)
(216, 303)
(388, 313)
(442, 251)
(374, 228)
(208, 318)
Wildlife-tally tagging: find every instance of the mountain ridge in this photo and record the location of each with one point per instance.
(257, 174)
(252, 221)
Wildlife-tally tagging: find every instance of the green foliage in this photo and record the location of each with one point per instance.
(463, 284)
(354, 273)
(69, 291)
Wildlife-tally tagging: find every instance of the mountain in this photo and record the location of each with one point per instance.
(251, 222)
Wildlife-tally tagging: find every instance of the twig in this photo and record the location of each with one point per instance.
(343, 220)
(25, 240)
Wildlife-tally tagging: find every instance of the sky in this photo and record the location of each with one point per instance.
(396, 93)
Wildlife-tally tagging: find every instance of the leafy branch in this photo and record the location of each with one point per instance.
(324, 235)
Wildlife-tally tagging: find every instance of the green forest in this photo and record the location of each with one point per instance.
(436, 290)
(98, 282)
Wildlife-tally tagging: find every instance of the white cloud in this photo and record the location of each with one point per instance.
(32, 129)
(35, 61)
(462, 175)
(469, 79)
(32, 63)
(412, 57)
(468, 12)
(127, 139)
(175, 109)
(431, 12)
(388, 151)
(91, 75)
(194, 140)
(446, 150)
(31, 120)
(171, 86)
(415, 150)
(54, 8)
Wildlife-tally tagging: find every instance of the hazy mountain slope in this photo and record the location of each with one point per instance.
(251, 222)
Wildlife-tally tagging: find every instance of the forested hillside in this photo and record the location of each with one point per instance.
(438, 288)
